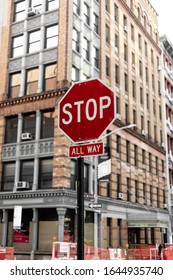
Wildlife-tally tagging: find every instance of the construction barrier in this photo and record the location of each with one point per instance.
(6, 253)
(68, 251)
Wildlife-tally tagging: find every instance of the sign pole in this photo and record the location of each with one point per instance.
(80, 208)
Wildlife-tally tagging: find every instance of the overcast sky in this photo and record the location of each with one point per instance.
(165, 10)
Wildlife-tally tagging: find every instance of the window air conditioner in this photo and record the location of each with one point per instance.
(120, 195)
(32, 12)
(159, 68)
(163, 145)
(143, 133)
(26, 136)
(165, 206)
(125, 28)
(144, 166)
(164, 175)
(22, 185)
(118, 116)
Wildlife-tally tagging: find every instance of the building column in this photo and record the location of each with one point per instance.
(36, 160)
(19, 133)
(5, 227)
(61, 215)
(34, 233)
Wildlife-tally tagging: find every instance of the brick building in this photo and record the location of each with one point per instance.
(45, 47)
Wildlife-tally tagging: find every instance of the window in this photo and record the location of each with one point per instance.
(86, 49)
(11, 125)
(133, 60)
(118, 183)
(86, 178)
(14, 85)
(86, 14)
(75, 74)
(47, 124)
(139, 42)
(125, 52)
(76, 7)
(150, 162)
(126, 82)
(76, 40)
(117, 105)
(107, 66)
(146, 74)
(29, 124)
(136, 191)
(52, 5)
(157, 169)
(142, 122)
(128, 151)
(27, 171)
(147, 101)
(135, 155)
(107, 5)
(128, 189)
(141, 96)
(116, 13)
(153, 82)
(149, 129)
(19, 11)
(45, 173)
(116, 42)
(118, 144)
(126, 113)
(152, 56)
(146, 49)
(154, 106)
(34, 41)
(37, 4)
(17, 46)
(107, 34)
(96, 57)
(32, 81)
(96, 23)
(125, 22)
(134, 117)
(8, 176)
(50, 77)
(140, 68)
(143, 156)
(133, 89)
(132, 33)
(52, 36)
(73, 176)
(117, 74)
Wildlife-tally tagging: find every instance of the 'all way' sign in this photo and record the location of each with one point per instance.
(86, 150)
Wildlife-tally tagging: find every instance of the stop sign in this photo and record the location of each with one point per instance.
(86, 110)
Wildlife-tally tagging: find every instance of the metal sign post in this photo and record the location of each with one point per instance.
(80, 208)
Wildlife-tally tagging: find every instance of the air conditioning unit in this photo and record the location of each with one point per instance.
(163, 145)
(26, 136)
(133, 66)
(120, 195)
(116, 49)
(159, 68)
(125, 29)
(143, 133)
(118, 117)
(164, 175)
(165, 206)
(144, 166)
(32, 12)
(118, 155)
(22, 185)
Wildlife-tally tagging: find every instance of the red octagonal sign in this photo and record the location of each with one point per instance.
(86, 110)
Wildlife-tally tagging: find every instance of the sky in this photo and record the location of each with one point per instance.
(165, 10)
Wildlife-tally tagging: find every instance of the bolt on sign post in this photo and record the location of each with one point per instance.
(85, 112)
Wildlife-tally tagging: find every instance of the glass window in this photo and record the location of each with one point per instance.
(96, 57)
(19, 11)
(11, 125)
(27, 171)
(17, 46)
(96, 23)
(76, 7)
(8, 176)
(52, 5)
(45, 174)
(86, 14)
(73, 175)
(29, 124)
(107, 34)
(52, 36)
(86, 44)
(36, 4)
(116, 13)
(50, 77)
(75, 74)
(32, 81)
(76, 40)
(47, 124)
(34, 41)
(107, 66)
(14, 85)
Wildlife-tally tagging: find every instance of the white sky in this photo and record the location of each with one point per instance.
(165, 10)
